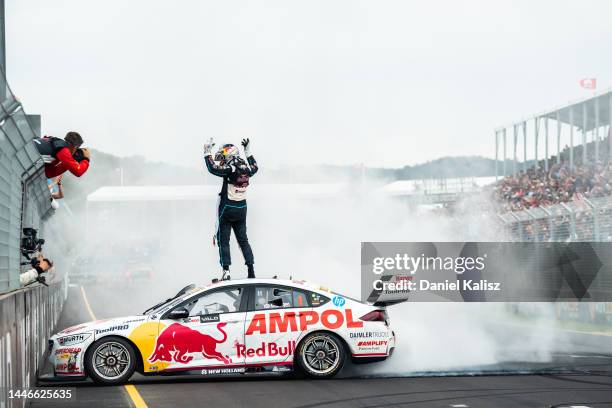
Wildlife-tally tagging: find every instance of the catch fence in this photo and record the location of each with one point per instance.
(580, 220)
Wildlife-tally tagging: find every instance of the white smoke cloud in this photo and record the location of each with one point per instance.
(318, 239)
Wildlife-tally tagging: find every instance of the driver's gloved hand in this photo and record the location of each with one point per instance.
(246, 144)
(208, 146)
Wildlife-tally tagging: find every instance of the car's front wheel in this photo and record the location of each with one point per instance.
(110, 360)
(321, 355)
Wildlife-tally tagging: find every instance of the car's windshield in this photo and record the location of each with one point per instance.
(182, 294)
(168, 303)
(155, 308)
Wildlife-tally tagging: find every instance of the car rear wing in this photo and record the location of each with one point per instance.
(389, 302)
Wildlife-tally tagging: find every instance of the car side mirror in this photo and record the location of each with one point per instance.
(278, 302)
(178, 313)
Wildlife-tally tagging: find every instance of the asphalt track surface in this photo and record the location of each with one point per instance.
(570, 380)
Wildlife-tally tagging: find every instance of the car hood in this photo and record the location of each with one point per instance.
(101, 325)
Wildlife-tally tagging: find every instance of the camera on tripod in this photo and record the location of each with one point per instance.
(30, 243)
(31, 247)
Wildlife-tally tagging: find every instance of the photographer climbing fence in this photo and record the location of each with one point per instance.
(579, 220)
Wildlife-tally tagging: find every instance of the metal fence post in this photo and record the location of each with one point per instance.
(536, 124)
(535, 227)
(572, 229)
(519, 225)
(550, 223)
(514, 144)
(525, 144)
(585, 114)
(596, 130)
(571, 147)
(504, 150)
(558, 137)
(546, 143)
(496, 155)
(595, 236)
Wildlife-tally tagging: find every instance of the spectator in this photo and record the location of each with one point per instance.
(40, 265)
(62, 155)
(536, 187)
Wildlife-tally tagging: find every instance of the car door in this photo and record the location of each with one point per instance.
(272, 326)
(208, 335)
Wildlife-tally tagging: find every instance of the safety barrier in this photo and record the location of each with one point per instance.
(580, 220)
(29, 316)
(24, 196)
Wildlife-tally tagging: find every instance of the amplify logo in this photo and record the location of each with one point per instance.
(265, 350)
(176, 341)
(372, 343)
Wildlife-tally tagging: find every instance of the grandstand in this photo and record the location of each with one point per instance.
(563, 196)
(589, 118)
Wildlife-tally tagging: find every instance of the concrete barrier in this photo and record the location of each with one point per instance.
(27, 318)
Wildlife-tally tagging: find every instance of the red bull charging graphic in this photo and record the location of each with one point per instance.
(177, 341)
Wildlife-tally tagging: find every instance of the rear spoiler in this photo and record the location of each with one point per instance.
(390, 302)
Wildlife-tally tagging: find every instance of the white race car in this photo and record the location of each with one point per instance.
(229, 327)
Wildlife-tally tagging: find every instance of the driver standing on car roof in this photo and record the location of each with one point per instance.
(232, 209)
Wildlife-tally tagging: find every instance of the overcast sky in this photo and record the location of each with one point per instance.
(385, 83)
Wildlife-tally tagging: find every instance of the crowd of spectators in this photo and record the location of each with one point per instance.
(537, 187)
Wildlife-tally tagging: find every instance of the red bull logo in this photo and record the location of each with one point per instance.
(176, 341)
(266, 349)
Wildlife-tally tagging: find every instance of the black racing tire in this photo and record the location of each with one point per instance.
(320, 355)
(110, 360)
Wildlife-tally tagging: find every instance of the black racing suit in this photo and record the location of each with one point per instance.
(232, 209)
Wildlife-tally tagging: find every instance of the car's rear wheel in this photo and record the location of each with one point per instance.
(321, 355)
(110, 360)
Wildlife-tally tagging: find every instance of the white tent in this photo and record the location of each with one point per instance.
(436, 186)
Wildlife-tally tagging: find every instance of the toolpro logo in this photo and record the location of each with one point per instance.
(176, 341)
(332, 319)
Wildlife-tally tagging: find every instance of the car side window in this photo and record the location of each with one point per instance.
(317, 299)
(219, 301)
(270, 297)
(300, 299)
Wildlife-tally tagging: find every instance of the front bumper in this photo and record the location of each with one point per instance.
(67, 360)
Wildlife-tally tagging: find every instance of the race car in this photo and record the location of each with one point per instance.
(229, 327)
